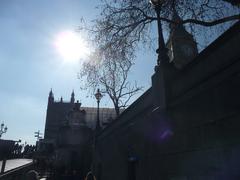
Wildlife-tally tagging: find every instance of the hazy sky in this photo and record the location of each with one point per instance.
(30, 64)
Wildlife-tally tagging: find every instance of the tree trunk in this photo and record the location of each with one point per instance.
(117, 110)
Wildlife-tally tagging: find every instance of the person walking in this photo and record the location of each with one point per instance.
(32, 175)
(90, 176)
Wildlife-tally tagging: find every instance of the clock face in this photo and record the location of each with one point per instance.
(187, 49)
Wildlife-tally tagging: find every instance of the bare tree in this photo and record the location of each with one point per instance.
(128, 22)
(122, 25)
(110, 71)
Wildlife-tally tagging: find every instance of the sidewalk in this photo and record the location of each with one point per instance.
(15, 163)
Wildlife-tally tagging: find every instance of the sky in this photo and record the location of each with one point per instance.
(32, 36)
(30, 63)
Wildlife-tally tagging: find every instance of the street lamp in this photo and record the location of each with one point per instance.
(98, 97)
(3, 130)
(38, 135)
(162, 50)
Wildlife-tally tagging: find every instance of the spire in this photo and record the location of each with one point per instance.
(51, 97)
(72, 97)
(177, 26)
(61, 100)
(51, 93)
(175, 16)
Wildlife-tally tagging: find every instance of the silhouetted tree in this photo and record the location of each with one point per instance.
(110, 71)
(123, 24)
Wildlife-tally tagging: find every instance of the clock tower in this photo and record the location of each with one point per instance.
(182, 47)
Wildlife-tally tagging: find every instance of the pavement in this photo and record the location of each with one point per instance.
(15, 163)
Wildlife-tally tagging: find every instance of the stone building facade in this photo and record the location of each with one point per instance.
(57, 112)
(69, 133)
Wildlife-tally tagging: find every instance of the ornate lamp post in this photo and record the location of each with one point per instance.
(98, 97)
(162, 50)
(3, 130)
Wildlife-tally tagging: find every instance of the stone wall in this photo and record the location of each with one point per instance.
(185, 127)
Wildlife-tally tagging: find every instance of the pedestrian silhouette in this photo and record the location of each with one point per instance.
(90, 176)
(32, 175)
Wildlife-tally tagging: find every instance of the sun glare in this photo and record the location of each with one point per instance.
(71, 46)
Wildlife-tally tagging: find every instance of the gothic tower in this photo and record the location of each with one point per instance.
(50, 97)
(181, 44)
(72, 97)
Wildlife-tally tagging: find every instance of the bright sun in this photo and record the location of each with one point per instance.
(71, 46)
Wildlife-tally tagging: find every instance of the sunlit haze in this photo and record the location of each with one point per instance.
(71, 46)
(39, 50)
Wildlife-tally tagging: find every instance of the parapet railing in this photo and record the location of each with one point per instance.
(16, 173)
